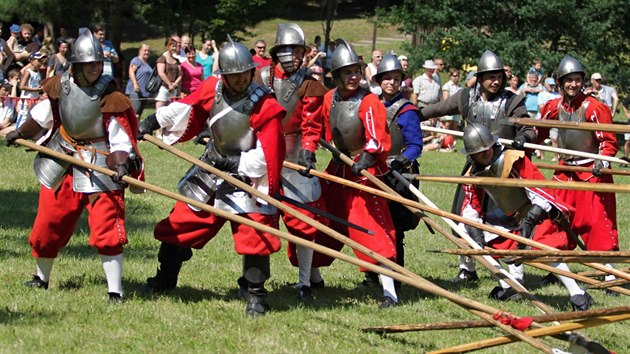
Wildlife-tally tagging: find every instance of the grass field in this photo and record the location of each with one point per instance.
(203, 315)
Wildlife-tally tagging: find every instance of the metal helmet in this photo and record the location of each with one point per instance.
(489, 61)
(389, 63)
(477, 138)
(235, 58)
(569, 65)
(288, 35)
(86, 48)
(343, 56)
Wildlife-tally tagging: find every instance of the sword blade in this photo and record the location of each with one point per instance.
(322, 213)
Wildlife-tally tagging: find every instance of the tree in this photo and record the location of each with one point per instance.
(595, 32)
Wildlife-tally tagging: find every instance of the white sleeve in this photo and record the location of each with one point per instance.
(42, 114)
(471, 214)
(416, 85)
(252, 163)
(118, 138)
(173, 119)
(538, 200)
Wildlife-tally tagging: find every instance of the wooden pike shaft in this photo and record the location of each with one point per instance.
(536, 146)
(577, 277)
(595, 127)
(609, 171)
(562, 316)
(418, 281)
(537, 253)
(479, 312)
(526, 183)
(597, 273)
(570, 259)
(451, 216)
(482, 310)
(539, 332)
(608, 284)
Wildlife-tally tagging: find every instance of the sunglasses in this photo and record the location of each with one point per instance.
(261, 47)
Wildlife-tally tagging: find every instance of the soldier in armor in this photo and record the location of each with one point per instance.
(596, 212)
(516, 210)
(245, 124)
(403, 122)
(86, 116)
(302, 96)
(356, 121)
(489, 104)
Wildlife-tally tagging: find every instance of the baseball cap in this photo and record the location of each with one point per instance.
(36, 55)
(596, 76)
(15, 28)
(550, 81)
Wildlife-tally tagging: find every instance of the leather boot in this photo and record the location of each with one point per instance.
(171, 258)
(256, 305)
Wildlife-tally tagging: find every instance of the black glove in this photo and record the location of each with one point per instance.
(308, 160)
(519, 141)
(597, 166)
(11, 137)
(119, 162)
(400, 164)
(365, 160)
(228, 164)
(476, 234)
(203, 137)
(528, 223)
(148, 126)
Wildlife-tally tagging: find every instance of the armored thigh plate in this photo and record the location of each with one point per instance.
(295, 185)
(198, 184)
(237, 201)
(88, 181)
(49, 170)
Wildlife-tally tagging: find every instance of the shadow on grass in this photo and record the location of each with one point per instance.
(11, 317)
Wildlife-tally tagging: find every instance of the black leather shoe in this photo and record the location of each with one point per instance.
(256, 305)
(161, 282)
(464, 276)
(115, 298)
(498, 293)
(304, 293)
(387, 303)
(581, 302)
(371, 279)
(37, 282)
(549, 279)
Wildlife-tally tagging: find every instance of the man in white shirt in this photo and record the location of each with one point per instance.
(426, 90)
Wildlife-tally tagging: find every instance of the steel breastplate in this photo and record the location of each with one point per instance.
(492, 115)
(80, 108)
(286, 91)
(346, 127)
(398, 141)
(232, 133)
(580, 140)
(513, 201)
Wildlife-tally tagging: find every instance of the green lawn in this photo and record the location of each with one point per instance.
(202, 315)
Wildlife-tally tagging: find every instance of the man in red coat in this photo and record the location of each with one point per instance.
(246, 140)
(596, 212)
(302, 96)
(101, 131)
(517, 209)
(356, 121)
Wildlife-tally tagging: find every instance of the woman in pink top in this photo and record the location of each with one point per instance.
(192, 71)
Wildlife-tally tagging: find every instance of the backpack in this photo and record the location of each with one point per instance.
(154, 83)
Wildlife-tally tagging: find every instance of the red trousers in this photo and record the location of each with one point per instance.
(595, 212)
(548, 233)
(361, 208)
(59, 211)
(301, 229)
(188, 228)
